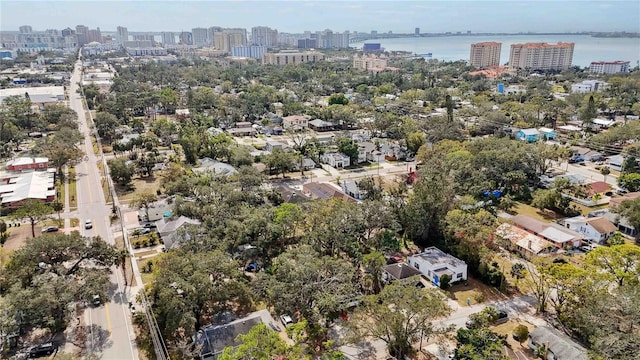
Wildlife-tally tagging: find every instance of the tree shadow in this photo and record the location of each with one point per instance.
(96, 339)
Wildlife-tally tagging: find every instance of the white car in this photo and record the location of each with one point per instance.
(286, 320)
(88, 224)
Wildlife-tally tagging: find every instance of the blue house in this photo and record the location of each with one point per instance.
(549, 134)
(528, 135)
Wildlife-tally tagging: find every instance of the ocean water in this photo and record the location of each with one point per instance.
(451, 48)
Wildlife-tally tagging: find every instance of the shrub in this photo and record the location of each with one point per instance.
(445, 281)
(479, 297)
(520, 333)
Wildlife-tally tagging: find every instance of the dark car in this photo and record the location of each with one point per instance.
(149, 225)
(45, 349)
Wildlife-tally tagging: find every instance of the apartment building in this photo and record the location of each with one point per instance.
(485, 54)
(122, 34)
(227, 39)
(609, 67)
(541, 56)
(369, 62)
(168, 38)
(249, 51)
(200, 36)
(264, 36)
(291, 57)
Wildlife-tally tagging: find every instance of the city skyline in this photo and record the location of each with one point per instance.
(299, 16)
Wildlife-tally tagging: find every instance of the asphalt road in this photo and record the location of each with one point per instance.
(111, 335)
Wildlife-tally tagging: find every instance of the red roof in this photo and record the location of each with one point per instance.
(598, 187)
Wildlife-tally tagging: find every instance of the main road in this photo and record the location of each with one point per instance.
(110, 334)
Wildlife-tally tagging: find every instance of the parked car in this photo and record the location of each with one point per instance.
(286, 320)
(41, 350)
(88, 224)
(49, 229)
(585, 248)
(96, 300)
(150, 225)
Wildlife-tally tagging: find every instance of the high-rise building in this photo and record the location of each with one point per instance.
(144, 37)
(229, 38)
(200, 36)
(417, 31)
(122, 34)
(249, 51)
(26, 29)
(186, 38)
(609, 67)
(262, 35)
(94, 35)
(541, 56)
(82, 32)
(307, 44)
(327, 39)
(485, 54)
(211, 34)
(68, 32)
(168, 38)
(369, 62)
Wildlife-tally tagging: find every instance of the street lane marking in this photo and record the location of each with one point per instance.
(106, 311)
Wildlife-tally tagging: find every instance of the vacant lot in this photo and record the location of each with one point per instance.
(475, 291)
(151, 184)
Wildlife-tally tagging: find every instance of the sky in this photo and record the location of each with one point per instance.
(296, 16)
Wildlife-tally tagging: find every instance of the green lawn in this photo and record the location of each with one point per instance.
(73, 196)
(524, 209)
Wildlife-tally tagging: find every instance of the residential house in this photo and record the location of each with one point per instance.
(585, 153)
(273, 144)
(398, 271)
(209, 165)
(215, 338)
(336, 160)
(600, 124)
(351, 188)
(391, 152)
(243, 128)
(557, 345)
(34, 185)
(433, 263)
(528, 135)
(28, 163)
(317, 190)
(320, 125)
(291, 195)
(523, 242)
(295, 122)
(168, 229)
(558, 235)
(596, 229)
(616, 162)
(597, 187)
(182, 114)
(365, 150)
(307, 164)
(621, 222)
(549, 134)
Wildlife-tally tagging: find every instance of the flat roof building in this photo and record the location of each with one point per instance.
(292, 57)
(433, 263)
(485, 54)
(541, 56)
(37, 95)
(609, 67)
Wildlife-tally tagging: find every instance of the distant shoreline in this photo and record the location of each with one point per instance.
(367, 37)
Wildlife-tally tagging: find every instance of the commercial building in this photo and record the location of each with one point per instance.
(541, 56)
(29, 41)
(26, 29)
(200, 36)
(291, 57)
(609, 67)
(94, 35)
(372, 47)
(186, 38)
(589, 86)
(249, 51)
(433, 263)
(485, 54)
(23, 181)
(122, 35)
(39, 96)
(265, 36)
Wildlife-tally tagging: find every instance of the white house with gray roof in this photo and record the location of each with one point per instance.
(433, 263)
